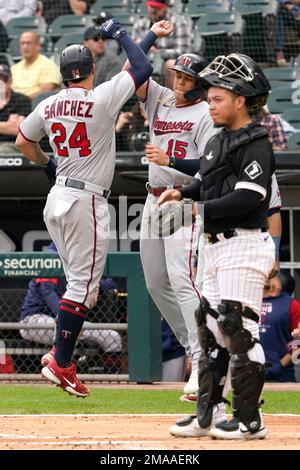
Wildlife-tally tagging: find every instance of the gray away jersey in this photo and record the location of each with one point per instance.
(181, 132)
(80, 124)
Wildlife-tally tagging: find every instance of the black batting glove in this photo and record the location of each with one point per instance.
(112, 29)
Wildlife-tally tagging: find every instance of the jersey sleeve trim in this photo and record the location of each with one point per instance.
(252, 187)
(26, 138)
(131, 75)
(273, 210)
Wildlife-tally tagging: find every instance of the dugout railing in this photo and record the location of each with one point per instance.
(138, 322)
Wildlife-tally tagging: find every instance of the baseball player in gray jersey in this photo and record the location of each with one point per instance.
(180, 126)
(80, 123)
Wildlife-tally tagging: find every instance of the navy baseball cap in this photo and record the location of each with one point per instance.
(92, 33)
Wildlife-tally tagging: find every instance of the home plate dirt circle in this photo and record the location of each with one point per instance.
(129, 432)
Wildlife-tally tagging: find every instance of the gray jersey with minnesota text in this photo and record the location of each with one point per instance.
(80, 124)
(179, 131)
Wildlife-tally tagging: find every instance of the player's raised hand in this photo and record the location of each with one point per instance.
(162, 28)
(112, 29)
(169, 195)
(156, 155)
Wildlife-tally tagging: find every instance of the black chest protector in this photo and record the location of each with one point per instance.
(219, 171)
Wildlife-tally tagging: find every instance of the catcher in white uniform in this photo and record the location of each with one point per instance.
(235, 188)
(80, 123)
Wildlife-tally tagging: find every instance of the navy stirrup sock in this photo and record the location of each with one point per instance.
(69, 323)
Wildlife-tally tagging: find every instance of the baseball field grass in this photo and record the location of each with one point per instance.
(19, 399)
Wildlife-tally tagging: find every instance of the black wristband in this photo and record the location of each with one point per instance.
(172, 161)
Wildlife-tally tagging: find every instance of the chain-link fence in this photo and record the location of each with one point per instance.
(121, 340)
(28, 310)
(101, 348)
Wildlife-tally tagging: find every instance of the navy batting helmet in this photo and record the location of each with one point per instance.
(191, 64)
(241, 75)
(76, 61)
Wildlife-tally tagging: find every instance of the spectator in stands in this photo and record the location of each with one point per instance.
(17, 8)
(132, 129)
(280, 317)
(288, 14)
(41, 305)
(110, 44)
(173, 355)
(14, 107)
(3, 38)
(275, 128)
(107, 64)
(169, 47)
(35, 73)
(51, 9)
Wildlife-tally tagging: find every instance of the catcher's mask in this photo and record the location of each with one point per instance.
(76, 62)
(241, 75)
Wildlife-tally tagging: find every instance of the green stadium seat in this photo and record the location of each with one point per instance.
(260, 28)
(67, 40)
(282, 74)
(65, 24)
(220, 23)
(115, 7)
(41, 97)
(222, 33)
(292, 116)
(281, 99)
(127, 20)
(17, 26)
(197, 8)
(254, 7)
(294, 141)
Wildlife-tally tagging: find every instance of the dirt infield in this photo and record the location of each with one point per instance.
(133, 432)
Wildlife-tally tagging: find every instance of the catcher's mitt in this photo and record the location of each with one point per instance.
(167, 218)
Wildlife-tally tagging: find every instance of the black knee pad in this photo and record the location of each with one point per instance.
(206, 337)
(212, 375)
(237, 339)
(247, 379)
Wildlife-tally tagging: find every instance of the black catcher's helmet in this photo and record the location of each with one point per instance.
(76, 61)
(241, 75)
(191, 64)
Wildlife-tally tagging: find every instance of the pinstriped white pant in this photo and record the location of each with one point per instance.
(237, 269)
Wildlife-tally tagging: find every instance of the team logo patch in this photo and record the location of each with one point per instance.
(185, 61)
(75, 73)
(209, 156)
(253, 170)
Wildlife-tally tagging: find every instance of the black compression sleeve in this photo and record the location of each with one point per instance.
(238, 202)
(192, 191)
(188, 167)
